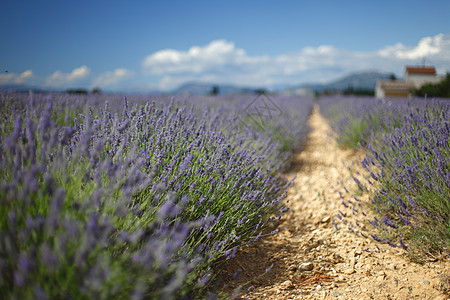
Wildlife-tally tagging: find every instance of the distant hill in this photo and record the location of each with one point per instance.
(357, 80)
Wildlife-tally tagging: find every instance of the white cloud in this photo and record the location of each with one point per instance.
(167, 82)
(112, 78)
(222, 62)
(14, 78)
(25, 75)
(427, 47)
(212, 57)
(59, 79)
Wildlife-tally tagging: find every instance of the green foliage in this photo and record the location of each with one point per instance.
(77, 91)
(441, 89)
(353, 134)
(215, 90)
(96, 90)
(359, 91)
(261, 91)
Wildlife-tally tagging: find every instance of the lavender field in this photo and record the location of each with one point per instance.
(407, 162)
(142, 197)
(136, 197)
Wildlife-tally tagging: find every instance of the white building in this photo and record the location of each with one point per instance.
(421, 75)
(393, 88)
(415, 78)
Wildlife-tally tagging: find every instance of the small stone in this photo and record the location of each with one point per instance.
(306, 266)
(336, 258)
(292, 268)
(425, 282)
(287, 284)
(349, 271)
(326, 219)
(335, 293)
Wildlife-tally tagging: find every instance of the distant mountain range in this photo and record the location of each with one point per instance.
(357, 80)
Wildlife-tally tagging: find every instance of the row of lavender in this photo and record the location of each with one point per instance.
(107, 198)
(407, 146)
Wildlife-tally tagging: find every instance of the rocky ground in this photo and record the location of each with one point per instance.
(317, 255)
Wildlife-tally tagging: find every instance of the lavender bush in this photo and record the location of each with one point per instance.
(408, 159)
(355, 119)
(126, 199)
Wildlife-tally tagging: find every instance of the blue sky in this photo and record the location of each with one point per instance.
(146, 45)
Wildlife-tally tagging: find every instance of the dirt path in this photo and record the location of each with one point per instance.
(312, 258)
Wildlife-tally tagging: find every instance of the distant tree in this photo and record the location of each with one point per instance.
(349, 91)
(215, 90)
(392, 77)
(359, 91)
(96, 90)
(77, 91)
(261, 91)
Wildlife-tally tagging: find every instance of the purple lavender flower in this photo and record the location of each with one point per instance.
(389, 222)
(376, 238)
(390, 243)
(402, 245)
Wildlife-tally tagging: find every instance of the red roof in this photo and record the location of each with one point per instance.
(421, 70)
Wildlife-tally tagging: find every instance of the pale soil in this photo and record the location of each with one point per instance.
(345, 265)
